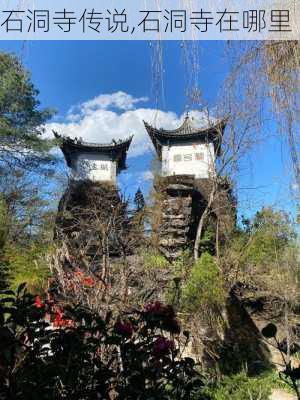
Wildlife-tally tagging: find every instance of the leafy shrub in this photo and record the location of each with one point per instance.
(27, 264)
(48, 352)
(241, 387)
(204, 287)
(155, 260)
(270, 233)
(208, 240)
(179, 271)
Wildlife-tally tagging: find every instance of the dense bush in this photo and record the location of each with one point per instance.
(155, 260)
(268, 234)
(204, 287)
(47, 352)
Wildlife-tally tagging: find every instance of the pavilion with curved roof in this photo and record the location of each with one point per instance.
(95, 161)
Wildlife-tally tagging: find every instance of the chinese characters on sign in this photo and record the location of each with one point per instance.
(160, 21)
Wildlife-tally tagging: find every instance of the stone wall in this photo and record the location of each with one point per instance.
(183, 199)
(87, 212)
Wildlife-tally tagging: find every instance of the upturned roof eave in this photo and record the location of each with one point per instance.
(181, 132)
(160, 136)
(71, 147)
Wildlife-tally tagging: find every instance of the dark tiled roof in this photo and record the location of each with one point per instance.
(186, 132)
(117, 149)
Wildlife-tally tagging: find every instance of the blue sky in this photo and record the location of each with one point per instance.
(71, 74)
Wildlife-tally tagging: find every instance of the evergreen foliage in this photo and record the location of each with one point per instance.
(21, 119)
(271, 233)
(26, 231)
(265, 246)
(28, 264)
(24, 212)
(139, 200)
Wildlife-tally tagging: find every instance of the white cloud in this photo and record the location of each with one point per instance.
(148, 176)
(119, 100)
(97, 120)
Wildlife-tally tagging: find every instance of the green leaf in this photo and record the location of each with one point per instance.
(7, 292)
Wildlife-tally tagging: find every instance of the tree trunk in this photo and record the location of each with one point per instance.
(201, 222)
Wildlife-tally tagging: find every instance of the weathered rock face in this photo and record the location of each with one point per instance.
(231, 341)
(224, 205)
(93, 231)
(90, 217)
(263, 307)
(183, 200)
(176, 216)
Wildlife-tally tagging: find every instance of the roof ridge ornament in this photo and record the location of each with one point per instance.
(187, 133)
(79, 141)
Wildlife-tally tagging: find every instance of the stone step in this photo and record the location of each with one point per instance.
(174, 216)
(172, 212)
(179, 231)
(178, 200)
(172, 242)
(175, 223)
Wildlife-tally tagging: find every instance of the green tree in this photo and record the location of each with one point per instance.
(24, 209)
(27, 217)
(270, 235)
(139, 200)
(267, 241)
(21, 119)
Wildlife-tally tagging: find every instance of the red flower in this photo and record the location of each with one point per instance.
(59, 320)
(162, 346)
(68, 322)
(124, 329)
(88, 281)
(79, 274)
(38, 302)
